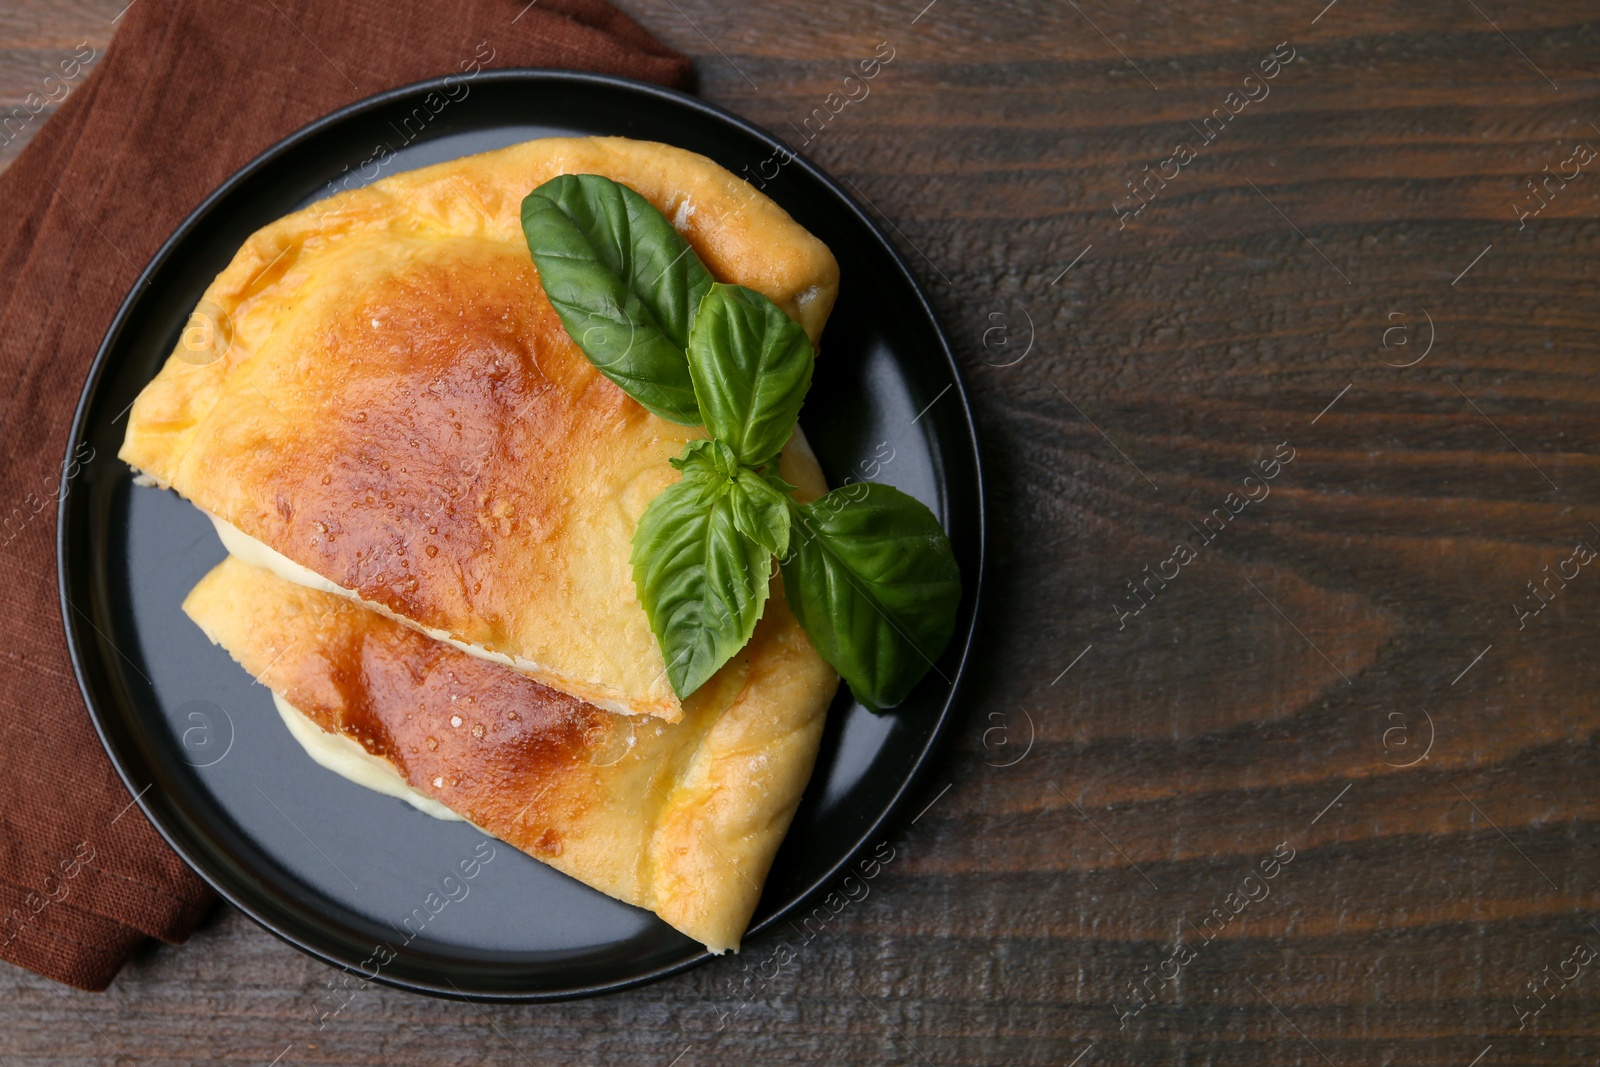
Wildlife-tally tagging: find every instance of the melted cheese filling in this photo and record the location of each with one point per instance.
(350, 761)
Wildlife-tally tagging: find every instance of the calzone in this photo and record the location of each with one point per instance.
(375, 399)
(680, 818)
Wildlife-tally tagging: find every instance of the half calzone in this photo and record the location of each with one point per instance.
(376, 399)
(680, 818)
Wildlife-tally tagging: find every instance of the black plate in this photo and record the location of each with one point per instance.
(334, 868)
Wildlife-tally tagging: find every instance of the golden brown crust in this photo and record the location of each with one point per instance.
(391, 402)
(682, 819)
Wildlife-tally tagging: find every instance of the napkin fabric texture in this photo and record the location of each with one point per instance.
(187, 92)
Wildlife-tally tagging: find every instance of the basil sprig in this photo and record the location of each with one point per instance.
(867, 570)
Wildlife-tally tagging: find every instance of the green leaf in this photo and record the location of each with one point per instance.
(702, 582)
(751, 366)
(872, 578)
(707, 457)
(761, 512)
(624, 283)
(769, 471)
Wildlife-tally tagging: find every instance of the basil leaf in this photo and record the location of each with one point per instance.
(703, 584)
(709, 458)
(751, 366)
(770, 472)
(624, 283)
(761, 512)
(872, 578)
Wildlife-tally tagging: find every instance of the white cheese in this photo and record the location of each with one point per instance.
(346, 758)
(242, 546)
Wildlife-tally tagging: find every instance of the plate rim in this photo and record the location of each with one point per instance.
(543, 76)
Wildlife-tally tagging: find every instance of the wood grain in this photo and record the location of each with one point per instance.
(35, 38)
(1280, 691)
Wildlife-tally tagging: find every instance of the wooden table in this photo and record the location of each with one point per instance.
(1322, 788)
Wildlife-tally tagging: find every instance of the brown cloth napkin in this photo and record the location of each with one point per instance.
(188, 92)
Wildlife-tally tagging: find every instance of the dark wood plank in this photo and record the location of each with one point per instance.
(1119, 775)
(39, 44)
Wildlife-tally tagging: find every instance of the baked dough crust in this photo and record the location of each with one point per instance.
(682, 819)
(377, 389)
